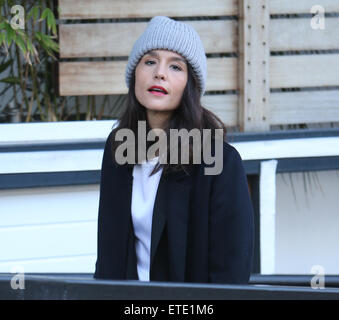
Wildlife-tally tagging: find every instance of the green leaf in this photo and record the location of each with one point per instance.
(29, 46)
(20, 43)
(48, 50)
(40, 37)
(34, 12)
(2, 37)
(5, 65)
(49, 42)
(51, 22)
(54, 29)
(37, 35)
(45, 13)
(22, 34)
(10, 34)
(13, 80)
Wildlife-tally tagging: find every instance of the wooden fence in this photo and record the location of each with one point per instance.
(266, 66)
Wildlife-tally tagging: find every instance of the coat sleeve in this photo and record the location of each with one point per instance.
(231, 227)
(105, 206)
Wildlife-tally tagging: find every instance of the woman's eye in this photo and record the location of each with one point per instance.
(177, 68)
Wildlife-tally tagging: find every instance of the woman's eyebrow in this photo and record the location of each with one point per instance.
(155, 54)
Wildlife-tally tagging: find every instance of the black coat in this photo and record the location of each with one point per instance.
(202, 228)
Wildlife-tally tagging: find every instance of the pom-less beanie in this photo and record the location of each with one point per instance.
(165, 33)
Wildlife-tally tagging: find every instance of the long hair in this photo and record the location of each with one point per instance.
(190, 114)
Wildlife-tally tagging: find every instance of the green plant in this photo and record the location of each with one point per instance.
(28, 71)
(28, 54)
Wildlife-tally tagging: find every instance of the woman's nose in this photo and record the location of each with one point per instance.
(159, 73)
(159, 76)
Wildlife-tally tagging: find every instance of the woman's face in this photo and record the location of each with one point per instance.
(164, 69)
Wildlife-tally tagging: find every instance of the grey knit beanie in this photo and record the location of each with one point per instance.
(165, 33)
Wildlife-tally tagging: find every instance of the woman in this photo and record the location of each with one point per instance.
(170, 221)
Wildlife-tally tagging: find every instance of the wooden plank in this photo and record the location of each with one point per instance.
(297, 34)
(301, 6)
(217, 36)
(304, 107)
(294, 71)
(225, 106)
(92, 78)
(107, 77)
(253, 66)
(222, 74)
(104, 39)
(106, 9)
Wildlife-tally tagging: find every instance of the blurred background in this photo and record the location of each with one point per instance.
(273, 78)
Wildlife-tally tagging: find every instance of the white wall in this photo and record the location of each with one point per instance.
(55, 229)
(307, 222)
(49, 229)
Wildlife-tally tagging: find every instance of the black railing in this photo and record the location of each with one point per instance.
(83, 286)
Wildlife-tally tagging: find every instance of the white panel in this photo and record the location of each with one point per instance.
(267, 216)
(52, 132)
(76, 264)
(288, 148)
(52, 240)
(307, 222)
(31, 206)
(82, 160)
(50, 161)
(49, 229)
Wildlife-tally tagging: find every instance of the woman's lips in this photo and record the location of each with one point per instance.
(157, 93)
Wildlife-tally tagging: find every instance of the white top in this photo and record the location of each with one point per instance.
(143, 196)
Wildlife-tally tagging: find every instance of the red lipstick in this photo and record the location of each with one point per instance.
(158, 90)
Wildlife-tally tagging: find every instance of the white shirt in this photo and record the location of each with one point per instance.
(143, 196)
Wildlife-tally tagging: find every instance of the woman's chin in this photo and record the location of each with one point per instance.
(157, 107)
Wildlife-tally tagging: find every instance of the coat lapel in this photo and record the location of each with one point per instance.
(159, 217)
(172, 206)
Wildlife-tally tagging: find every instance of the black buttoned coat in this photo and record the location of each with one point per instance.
(202, 228)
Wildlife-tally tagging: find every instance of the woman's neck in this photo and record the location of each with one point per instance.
(158, 119)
